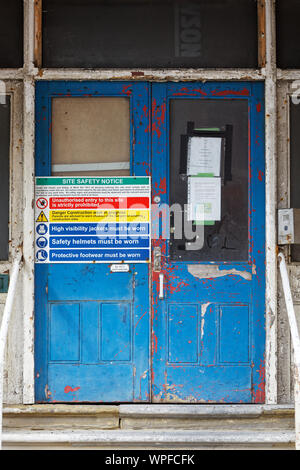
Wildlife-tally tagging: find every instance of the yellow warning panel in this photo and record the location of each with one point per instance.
(42, 217)
(97, 216)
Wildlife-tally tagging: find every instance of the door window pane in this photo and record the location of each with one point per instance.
(91, 136)
(288, 33)
(295, 166)
(4, 175)
(11, 34)
(225, 239)
(150, 33)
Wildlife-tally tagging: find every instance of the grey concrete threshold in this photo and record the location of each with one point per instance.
(62, 409)
(162, 439)
(202, 411)
(145, 410)
(166, 438)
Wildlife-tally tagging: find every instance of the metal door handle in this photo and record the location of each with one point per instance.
(161, 286)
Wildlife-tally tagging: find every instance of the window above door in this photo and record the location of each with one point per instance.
(149, 33)
(11, 34)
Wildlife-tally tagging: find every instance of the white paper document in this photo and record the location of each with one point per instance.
(204, 156)
(204, 199)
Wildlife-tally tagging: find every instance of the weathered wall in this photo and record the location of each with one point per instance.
(284, 347)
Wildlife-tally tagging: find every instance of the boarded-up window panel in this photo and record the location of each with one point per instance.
(11, 34)
(90, 131)
(288, 33)
(150, 33)
(4, 175)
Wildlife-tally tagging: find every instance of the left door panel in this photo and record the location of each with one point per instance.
(91, 324)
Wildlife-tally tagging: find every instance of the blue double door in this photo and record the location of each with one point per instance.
(189, 326)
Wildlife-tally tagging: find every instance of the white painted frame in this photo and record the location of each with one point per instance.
(29, 75)
(271, 204)
(13, 89)
(69, 167)
(14, 353)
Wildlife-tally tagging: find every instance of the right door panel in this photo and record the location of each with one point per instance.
(208, 295)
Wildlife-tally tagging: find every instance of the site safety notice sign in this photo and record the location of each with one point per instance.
(88, 220)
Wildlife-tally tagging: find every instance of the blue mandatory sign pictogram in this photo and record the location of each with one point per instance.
(42, 242)
(42, 255)
(42, 229)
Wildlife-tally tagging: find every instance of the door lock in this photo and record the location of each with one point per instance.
(157, 259)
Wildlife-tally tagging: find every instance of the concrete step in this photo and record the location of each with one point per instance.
(148, 440)
(149, 427)
(208, 417)
(56, 417)
(81, 417)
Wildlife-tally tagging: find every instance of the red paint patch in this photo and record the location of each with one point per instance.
(174, 283)
(69, 389)
(154, 343)
(137, 74)
(258, 107)
(127, 90)
(243, 92)
(200, 91)
(260, 175)
(145, 110)
(161, 189)
(259, 393)
(184, 94)
(146, 168)
(159, 114)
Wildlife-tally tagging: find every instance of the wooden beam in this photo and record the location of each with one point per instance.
(38, 33)
(261, 29)
(151, 74)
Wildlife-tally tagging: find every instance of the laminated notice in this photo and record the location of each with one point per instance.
(204, 199)
(92, 220)
(204, 156)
